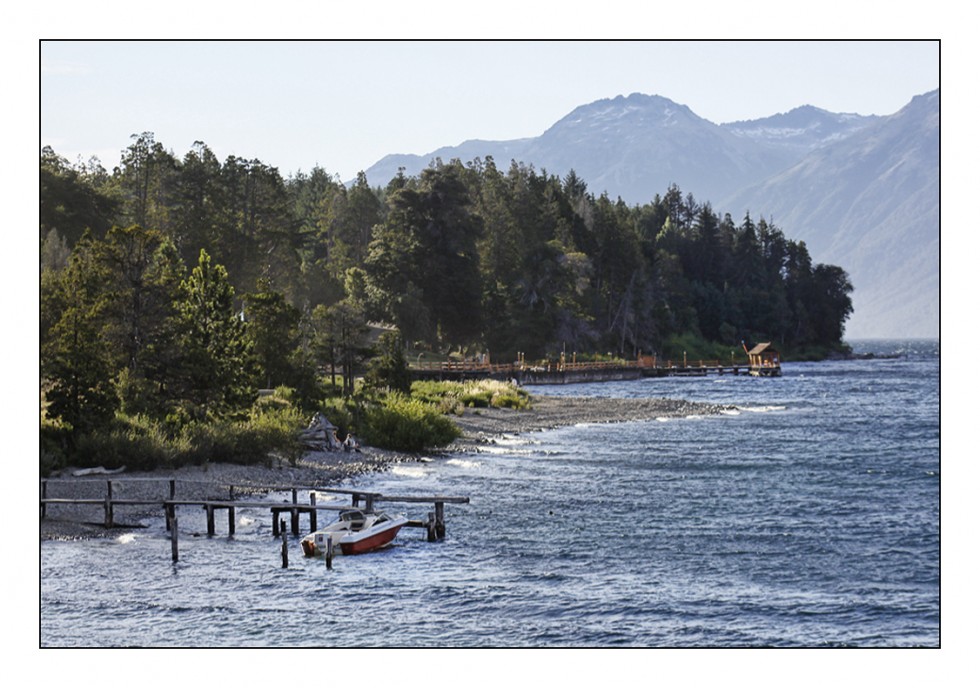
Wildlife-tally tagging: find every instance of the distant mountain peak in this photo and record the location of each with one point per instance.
(639, 103)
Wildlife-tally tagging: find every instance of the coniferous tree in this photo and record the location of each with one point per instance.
(217, 366)
(71, 201)
(389, 369)
(76, 366)
(273, 326)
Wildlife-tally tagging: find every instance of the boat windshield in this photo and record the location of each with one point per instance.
(355, 518)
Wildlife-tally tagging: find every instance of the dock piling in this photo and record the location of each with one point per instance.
(294, 516)
(440, 526)
(108, 505)
(430, 526)
(172, 522)
(285, 546)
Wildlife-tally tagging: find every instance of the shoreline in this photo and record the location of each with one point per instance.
(480, 427)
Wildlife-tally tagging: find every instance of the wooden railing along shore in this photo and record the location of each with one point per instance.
(562, 371)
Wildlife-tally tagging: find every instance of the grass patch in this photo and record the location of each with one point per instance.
(453, 397)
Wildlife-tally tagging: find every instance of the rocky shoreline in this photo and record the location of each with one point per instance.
(480, 427)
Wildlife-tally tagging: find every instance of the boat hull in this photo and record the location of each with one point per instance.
(359, 543)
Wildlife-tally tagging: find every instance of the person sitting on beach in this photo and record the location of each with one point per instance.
(350, 444)
(335, 442)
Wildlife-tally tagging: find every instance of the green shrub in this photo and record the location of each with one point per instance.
(432, 391)
(137, 442)
(346, 414)
(404, 424)
(55, 440)
(140, 443)
(267, 433)
(276, 431)
(512, 398)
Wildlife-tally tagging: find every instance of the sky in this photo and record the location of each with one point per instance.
(344, 104)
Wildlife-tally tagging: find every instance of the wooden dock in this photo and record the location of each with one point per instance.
(435, 523)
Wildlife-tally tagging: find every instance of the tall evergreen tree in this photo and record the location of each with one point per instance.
(143, 276)
(76, 366)
(217, 368)
(273, 326)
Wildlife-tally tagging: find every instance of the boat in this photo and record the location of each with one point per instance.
(354, 532)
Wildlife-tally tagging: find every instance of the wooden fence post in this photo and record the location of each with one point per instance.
(313, 512)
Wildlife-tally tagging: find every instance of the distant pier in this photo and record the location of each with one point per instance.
(568, 372)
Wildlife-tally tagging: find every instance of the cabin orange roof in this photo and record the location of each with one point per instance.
(759, 348)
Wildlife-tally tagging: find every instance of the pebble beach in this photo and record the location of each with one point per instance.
(480, 427)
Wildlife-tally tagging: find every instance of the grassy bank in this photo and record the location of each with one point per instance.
(269, 434)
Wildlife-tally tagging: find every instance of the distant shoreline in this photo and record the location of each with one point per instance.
(480, 427)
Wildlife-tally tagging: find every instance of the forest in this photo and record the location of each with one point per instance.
(175, 288)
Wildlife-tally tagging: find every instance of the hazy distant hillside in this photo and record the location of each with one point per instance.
(380, 173)
(636, 147)
(632, 147)
(862, 191)
(870, 203)
(802, 129)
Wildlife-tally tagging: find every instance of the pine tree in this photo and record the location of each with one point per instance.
(217, 367)
(76, 366)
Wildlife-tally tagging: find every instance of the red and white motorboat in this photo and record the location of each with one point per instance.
(355, 532)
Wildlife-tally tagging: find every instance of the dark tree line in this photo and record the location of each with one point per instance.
(200, 280)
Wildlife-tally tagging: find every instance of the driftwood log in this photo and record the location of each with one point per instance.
(320, 435)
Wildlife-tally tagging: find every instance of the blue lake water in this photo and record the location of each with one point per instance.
(808, 518)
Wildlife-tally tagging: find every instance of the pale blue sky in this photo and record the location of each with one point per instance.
(345, 104)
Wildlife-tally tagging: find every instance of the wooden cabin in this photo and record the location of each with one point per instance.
(763, 360)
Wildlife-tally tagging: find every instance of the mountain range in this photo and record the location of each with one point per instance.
(861, 191)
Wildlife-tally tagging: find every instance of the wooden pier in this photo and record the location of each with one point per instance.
(565, 371)
(434, 524)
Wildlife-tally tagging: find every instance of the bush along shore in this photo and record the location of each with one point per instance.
(476, 423)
